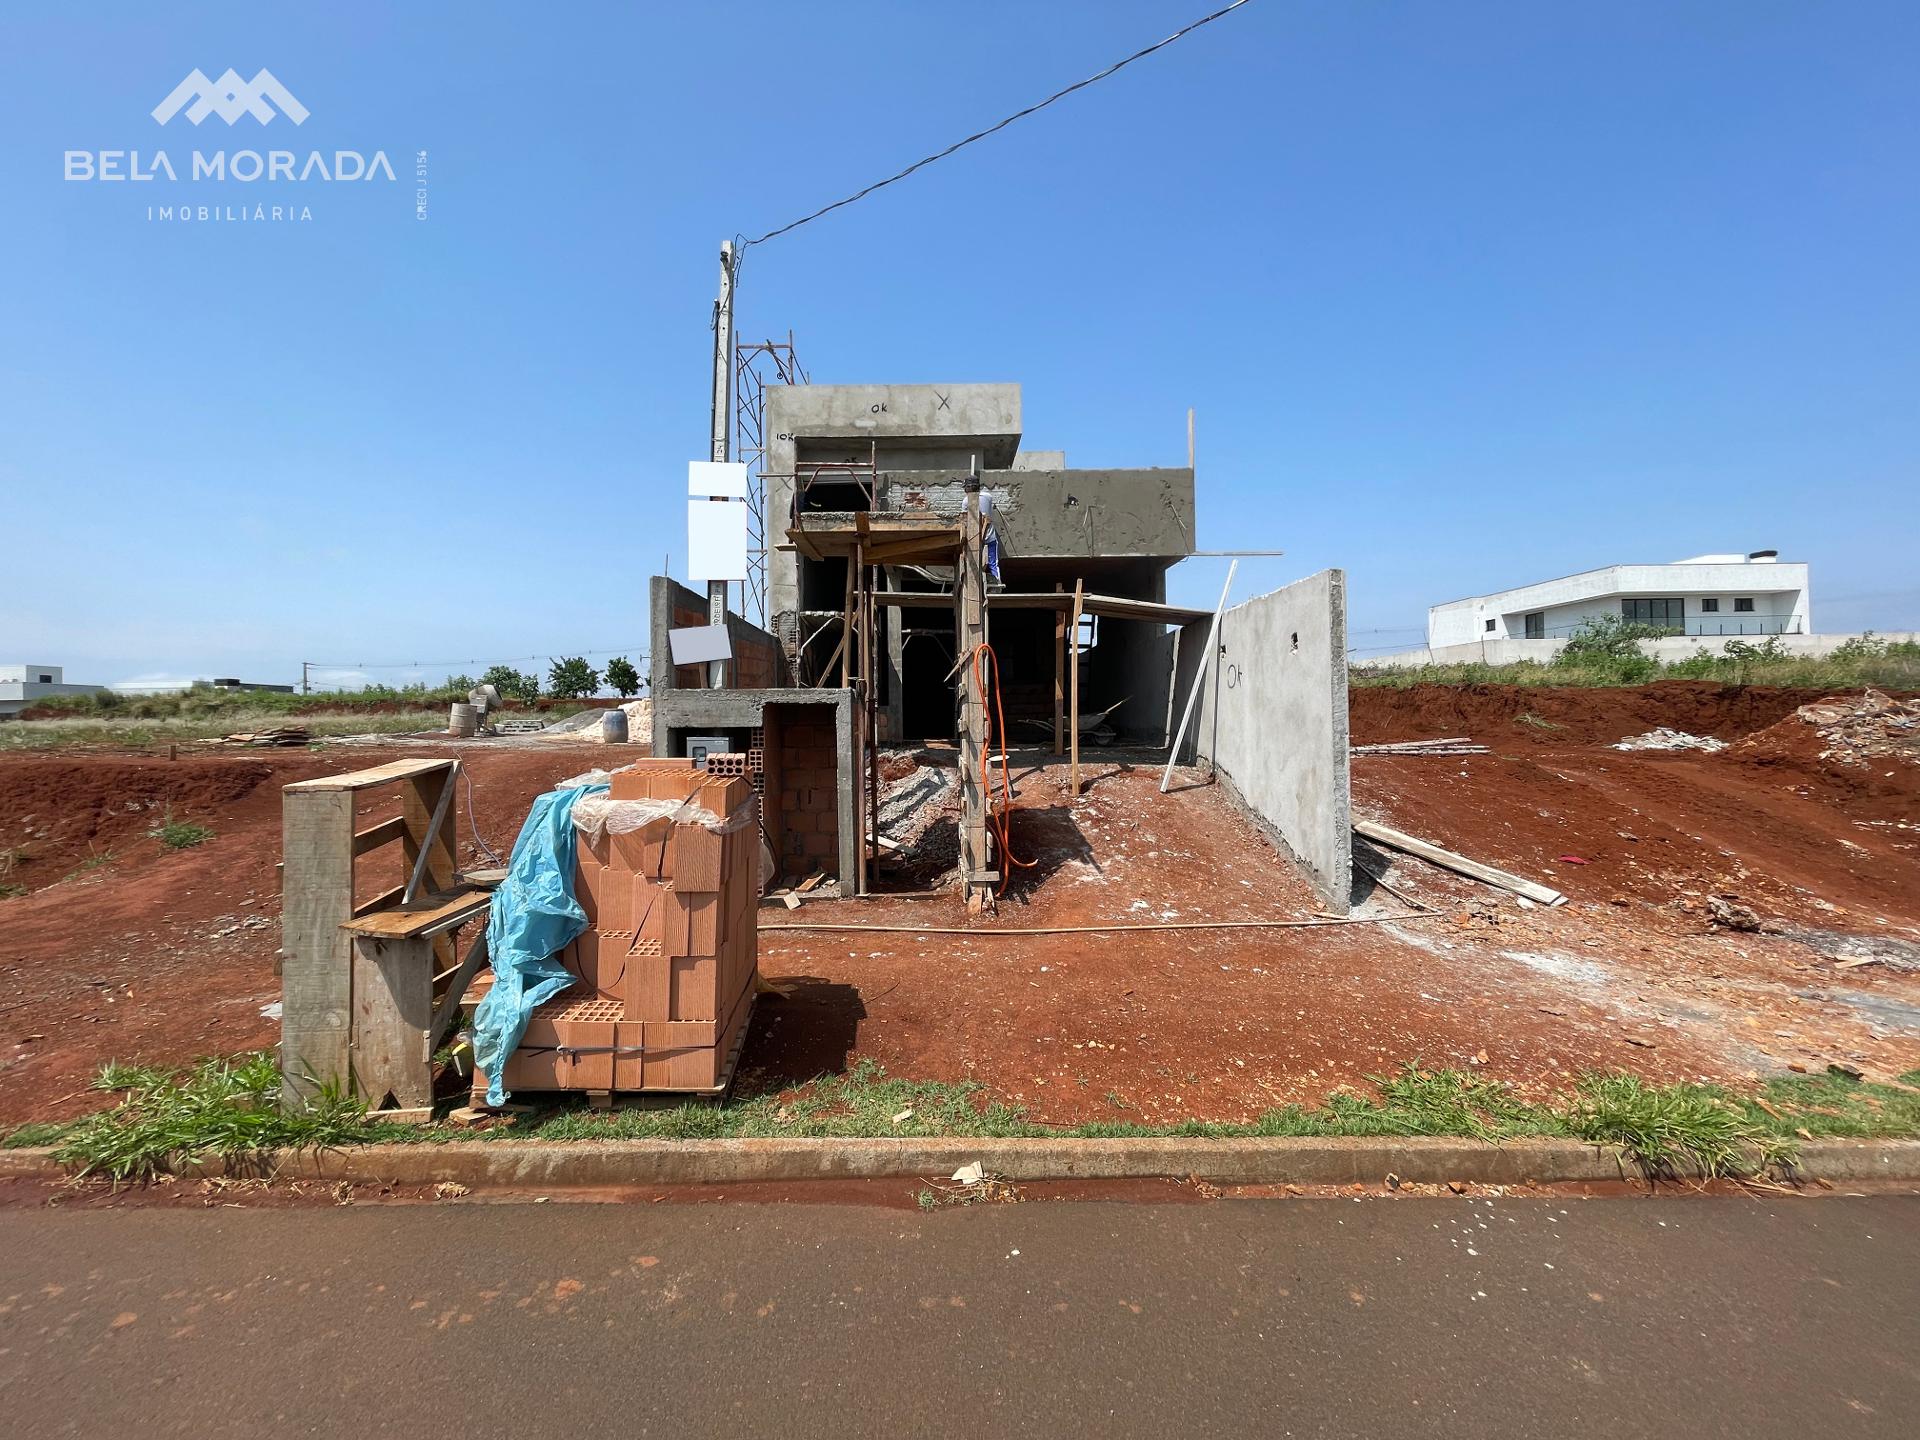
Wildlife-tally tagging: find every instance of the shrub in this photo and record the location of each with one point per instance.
(622, 678)
(1610, 645)
(572, 678)
(511, 684)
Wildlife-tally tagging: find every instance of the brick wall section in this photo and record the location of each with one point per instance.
(806, 770)
(757, 662)
(688, 677)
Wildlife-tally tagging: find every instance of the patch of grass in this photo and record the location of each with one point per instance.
(181, 835)
(1535, 722)
(11, 891)
(43, 1132)
(1871, 661)
(123, 730)
(229, 1108)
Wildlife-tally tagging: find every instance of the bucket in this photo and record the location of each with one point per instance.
(613, 727)
(460, 719)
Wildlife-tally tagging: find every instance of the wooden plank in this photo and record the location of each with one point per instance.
(436, 837)
(1107, 607)
(384, 900)
(374, 836)
(448, 1015)
(1073, 704)
(316, 968)
(361, 779)
(430, 804)
(1059, 675)
(392, 1017)
(1448, 860)
(433, 914)
(1173, 686)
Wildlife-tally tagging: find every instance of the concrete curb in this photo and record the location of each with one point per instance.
(550, 1165)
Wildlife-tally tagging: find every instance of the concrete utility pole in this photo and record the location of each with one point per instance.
(722, 429)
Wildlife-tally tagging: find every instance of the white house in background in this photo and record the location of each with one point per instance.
(22, 685)
(1708, 596)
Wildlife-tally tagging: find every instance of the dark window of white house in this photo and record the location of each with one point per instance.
(1744, 605)
(1663, 612)
(1711, 607)
(46, 679)
(1490, 627)
(1537, 625)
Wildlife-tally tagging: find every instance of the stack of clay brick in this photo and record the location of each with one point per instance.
(667, 962)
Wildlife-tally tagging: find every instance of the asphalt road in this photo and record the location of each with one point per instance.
(1454, 1318)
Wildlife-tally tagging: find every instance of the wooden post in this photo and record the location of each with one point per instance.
(316, 967)
(1059, 671)
(863, 720)
(1073, 718)
(1173, 685)
(971, 629)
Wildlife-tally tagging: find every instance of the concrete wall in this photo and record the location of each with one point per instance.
(912, 427)
(1777, 590)
(757, 662)
(1273, 721)
(680, 713)
(1065, 513)
(1496, 651)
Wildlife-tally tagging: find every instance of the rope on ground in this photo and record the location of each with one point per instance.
(1103, 929)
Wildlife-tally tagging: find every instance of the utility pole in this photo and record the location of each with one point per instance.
(722, 428)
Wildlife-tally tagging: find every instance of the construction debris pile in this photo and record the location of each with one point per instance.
(1452, 745)
(278, 735)
(1665, 738)
(1863, 729)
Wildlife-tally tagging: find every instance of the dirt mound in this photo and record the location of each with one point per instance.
(1856, 731)
(1560, 715)
(59, 814)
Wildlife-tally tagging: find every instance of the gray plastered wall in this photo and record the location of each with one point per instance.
(1273, 721)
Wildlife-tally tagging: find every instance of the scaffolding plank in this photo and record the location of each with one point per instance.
(1111, 607)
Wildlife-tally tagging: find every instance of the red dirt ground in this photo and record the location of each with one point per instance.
(139, 958)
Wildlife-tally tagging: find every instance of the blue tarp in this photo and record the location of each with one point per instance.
(534, 918)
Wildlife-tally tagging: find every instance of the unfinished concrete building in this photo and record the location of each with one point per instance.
(899, 519)
(909, 450)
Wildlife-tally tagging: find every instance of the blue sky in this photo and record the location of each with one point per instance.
(1465, 295)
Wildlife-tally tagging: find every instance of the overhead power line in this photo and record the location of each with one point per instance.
(995, 128)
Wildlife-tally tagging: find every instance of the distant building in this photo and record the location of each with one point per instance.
(1708, 596)
(24, 685)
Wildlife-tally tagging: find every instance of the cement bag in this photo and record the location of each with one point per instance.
(534, 918)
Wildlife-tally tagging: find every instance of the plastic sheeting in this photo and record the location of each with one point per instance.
(600, 815)
(534, 918)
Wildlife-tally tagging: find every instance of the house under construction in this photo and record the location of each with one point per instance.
(928, 580)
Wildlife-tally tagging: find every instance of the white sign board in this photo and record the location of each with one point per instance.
(717, 477)
(716, 539)
(699, 644)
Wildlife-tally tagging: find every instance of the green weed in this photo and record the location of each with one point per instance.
(229, 1108)
(1669, 1129)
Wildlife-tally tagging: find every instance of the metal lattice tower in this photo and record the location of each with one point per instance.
(756, 366)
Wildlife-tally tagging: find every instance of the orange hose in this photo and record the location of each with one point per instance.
(1003, 828)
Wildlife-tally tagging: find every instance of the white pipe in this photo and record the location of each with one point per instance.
(1200, 677)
